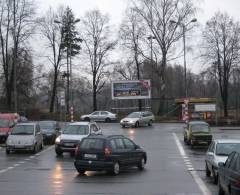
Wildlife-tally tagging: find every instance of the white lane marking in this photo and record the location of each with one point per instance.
(194, 174)
(25, 160)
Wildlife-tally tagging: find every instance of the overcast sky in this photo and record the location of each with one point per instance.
(116, 8)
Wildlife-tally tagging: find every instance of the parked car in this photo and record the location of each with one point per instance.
(196, 133)
(218, 152)
(25, 136)
(229, 175)
(108, 153)
(7, 122)
(72, 134)
(50, 130)
(104, 116)
(136, 119)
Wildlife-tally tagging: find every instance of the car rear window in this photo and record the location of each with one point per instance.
(92, 144)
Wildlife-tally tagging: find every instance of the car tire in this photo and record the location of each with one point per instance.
(141, 164)
(215, 177)
(116, 168)
(7, 151)
(150, 123)
(220, 189)
(81, 171)
(107, 120)
(123, 126)
(137, 124)
(34, 151)
(208, 172)
(59, 152)
(87, 119)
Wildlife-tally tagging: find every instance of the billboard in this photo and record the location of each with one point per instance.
(205, 107)
(138, 89)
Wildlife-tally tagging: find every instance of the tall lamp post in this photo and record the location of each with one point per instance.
(69, 71)
(184, 26)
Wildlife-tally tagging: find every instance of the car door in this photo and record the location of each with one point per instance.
(210, 155)
(95, 116)
(121, 151)
(225, 172)
(231, 175)
(132, 154)
(103, 115)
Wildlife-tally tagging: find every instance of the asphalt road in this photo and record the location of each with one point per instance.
(172, 168)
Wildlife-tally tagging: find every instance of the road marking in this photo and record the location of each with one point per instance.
(194, 174)
(25, 160)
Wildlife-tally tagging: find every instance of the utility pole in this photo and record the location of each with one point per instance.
(14, 58)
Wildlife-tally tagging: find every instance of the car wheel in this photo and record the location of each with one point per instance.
(215, 176)
(87, 119)
(208, 172)
(137, 124)
(123, 126)
(81, 171)
(116, 168)
(141, 164)
(7, 151)
(59, 152)
(107, 120)
(220, 189)
(150, 123)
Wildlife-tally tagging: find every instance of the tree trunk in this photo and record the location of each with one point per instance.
(94, 93)
(54, 88)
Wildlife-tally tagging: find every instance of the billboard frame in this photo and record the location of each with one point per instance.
(146, 83)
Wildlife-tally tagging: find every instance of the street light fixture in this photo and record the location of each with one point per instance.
(184, 50)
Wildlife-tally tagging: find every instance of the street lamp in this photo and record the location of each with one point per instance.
(150, 37)
(184, 49)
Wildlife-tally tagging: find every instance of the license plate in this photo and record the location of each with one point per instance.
(93, 156)
(19, 146)
(68, 144)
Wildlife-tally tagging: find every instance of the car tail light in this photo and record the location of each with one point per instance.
(237, 183)
(77, 150)
(107, 151)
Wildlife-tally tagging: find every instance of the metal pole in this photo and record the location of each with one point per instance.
(71, 83)
(14, 58)
(184, 55)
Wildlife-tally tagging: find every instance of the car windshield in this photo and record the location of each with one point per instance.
(76, 130)
(4, 123)
(200, 128)
(134, 115)
(92, 144)
(23, 130)
(224, 149)
(47, 125)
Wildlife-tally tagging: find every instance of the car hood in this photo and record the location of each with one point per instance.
(20, 139)
(219, 159)
(72, 137)
(130, 119)
(86, 115)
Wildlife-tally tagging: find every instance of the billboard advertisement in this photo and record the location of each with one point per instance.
(138, 89)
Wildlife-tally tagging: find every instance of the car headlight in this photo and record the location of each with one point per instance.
(58, 139)
(9, 142)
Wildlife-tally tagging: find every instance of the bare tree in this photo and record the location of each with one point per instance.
(131, 34)
(53, 33)
(221, 48)
(157, 15)
(16, 26)
(97, 46)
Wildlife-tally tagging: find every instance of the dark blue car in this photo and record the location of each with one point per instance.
(229, 175)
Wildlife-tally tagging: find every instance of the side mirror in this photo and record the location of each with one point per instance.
(137, 147)
(221, 164)
(210, 154)
(58, 128)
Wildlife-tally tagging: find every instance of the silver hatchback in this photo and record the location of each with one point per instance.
(25, 136)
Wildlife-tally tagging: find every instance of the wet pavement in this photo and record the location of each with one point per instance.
(166, 172)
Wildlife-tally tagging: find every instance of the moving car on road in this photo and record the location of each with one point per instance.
(25, 136)
(50, 130)
(218, 152)
(72, 134)
(104, 116)
(197, 132)
(136, 119)
(108, 153)
(229, 175)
